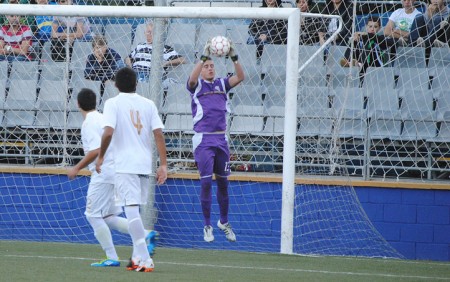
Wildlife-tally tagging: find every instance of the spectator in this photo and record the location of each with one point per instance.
(343, 8)
(15, 40)
(268, 31)
(400, 21)
(370, 49)
(443, 34)
(103, 63)
(43, 30)
(140, 58)
(426, 28)
(309, 27)
(67, 30)
(24, 20)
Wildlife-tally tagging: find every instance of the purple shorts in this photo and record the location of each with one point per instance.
(212, 154)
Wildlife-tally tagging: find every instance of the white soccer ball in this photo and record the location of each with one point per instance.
(220, 46)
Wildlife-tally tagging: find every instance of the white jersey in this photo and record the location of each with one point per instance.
(133, 118)
(91, 135)
(402, 20)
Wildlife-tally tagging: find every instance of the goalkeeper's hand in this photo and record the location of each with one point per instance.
(232, 54)
(206, 49)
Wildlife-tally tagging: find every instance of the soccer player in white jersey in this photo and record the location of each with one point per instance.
(130, 119)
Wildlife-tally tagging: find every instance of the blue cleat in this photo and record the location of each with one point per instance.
(151, 239)
(106, 263)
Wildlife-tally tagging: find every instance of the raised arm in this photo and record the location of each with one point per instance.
(239, 76)
(193, 78)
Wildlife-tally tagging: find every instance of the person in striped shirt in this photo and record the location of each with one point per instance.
(140, 58)
(15, 40)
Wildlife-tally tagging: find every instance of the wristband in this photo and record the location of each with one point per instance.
(234, 58)
(204, 58)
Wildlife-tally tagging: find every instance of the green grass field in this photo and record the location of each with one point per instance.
(32, 261)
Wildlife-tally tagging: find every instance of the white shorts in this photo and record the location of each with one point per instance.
(132, 189)
(101, 200)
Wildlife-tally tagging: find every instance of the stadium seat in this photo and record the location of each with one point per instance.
(274, 126)
(180, 73)
(248, 95)
(315, 73)
(351, 117)
(85, 83)
(412, 78)
(340, 76)
(439, 58)
(314, 113)
(178, 123)
(242, 125)
(52, 95)
(2, 92)
(81, 50)
(119, 38)
(53, 71)
(238, 34)
(178, 100)
(22, 95)
(378, 79)
(181, 33)
(441, 81)
(274, 102)
(24, 71)
(410, 57)
(19, 118)
(3, 70)
(384, 115)
(74, 120)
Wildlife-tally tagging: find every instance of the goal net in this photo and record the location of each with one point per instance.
(344, 122)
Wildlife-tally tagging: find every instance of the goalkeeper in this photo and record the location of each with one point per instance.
(101, 210)
(210, 143)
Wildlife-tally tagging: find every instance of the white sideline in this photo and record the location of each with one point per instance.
(255, 268)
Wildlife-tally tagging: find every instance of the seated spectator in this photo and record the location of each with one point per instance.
(426, 27)
(309, 26)
(268, 31)
(15, 40)
(24, 20)
(103, 63)
(443, 34)
(67, 30)
(370, 49)
(343, 8)
(43, 30)
(400, 21)
(140, 58)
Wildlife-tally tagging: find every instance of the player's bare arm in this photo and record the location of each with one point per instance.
(88, 158)
(161, 172)
(106, 140)
(239, 76)
(193, 78)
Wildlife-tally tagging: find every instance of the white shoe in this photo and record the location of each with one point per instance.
(420, 42)
(228, 231)
(146, 266)
(208, 234)
(438, 43)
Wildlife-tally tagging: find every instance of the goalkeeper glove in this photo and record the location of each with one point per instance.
(206, 51)
(232, 54)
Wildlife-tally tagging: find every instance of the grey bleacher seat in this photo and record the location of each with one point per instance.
(178, 100)
(119, 38)
(341, 76)
(46, 55)
(84, 83)
(187, 51)
(2, 92)
(419, 118)
(315, 73)
(52, 95)
(412, 78)
(248, 95)
(274, 126)
(439, 58)
(42, 119)
(441, 79)
(410, 57)
(24, 70)
(142, 88)
(180, 73)
(274, 102)
(379, 79)
(313, 112)
(208, 31)
(55, 71)
(3, 70)
(443, 106)
(21, 95)
(351, 117)
(241, 125)
(81, 50)
(252, 72)
(110, 91)
(384, 115)
(178, 123)
(238, 34)
(181, 33)
(74, 120)
(443, 134)
(18, 118)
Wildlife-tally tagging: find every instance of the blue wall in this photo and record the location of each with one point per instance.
(415, 222)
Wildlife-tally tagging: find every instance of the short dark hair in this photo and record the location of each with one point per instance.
(126, 80)
(87, 99)
(374, 19)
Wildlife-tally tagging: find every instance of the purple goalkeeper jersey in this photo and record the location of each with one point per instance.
(210, 105)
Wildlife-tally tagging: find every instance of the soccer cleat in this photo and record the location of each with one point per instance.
(208, 234)
(228, 231)
(146, 266)
(106, 263)
(133, 264)
(151, 239)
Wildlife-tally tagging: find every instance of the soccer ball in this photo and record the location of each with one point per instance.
(220, 46)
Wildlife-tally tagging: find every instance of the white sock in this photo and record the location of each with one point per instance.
(103, 235)
(137, 232)
(117, 223)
